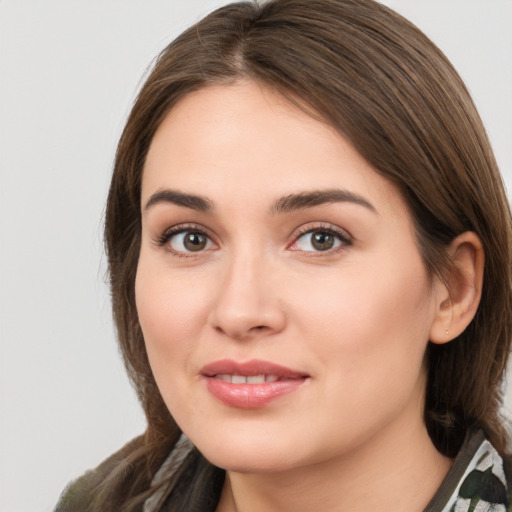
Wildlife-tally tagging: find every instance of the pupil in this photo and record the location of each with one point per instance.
(194, 241)
(322, 241)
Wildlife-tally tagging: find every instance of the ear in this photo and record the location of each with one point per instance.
(457, 300)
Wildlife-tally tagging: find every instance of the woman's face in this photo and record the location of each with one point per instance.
(283, 300)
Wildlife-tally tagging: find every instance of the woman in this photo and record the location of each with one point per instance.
(309, 248)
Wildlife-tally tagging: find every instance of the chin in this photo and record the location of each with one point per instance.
(249, 455)
(250, 463)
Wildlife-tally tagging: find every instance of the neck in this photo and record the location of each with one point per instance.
(390, 471)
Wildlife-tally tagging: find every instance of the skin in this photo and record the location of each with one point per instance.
(356, 318)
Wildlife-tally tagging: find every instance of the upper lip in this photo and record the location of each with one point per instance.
(250, 368)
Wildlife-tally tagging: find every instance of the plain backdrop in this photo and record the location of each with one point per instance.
(69, 70)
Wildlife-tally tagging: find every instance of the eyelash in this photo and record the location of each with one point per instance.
(341, 235)
(168, 234)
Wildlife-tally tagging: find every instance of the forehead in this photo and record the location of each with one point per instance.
(247, 141)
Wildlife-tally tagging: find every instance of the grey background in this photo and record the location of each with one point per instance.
(68, 73)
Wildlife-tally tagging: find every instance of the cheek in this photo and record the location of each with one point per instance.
(370, 319)
(369, 333)
(171, 311)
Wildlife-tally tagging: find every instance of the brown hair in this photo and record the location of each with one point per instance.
(391, 92)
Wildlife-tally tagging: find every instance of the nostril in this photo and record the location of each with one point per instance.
(242, 334)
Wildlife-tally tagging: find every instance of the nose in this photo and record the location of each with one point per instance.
(247, 303)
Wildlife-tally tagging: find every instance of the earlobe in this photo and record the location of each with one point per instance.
(458, 298)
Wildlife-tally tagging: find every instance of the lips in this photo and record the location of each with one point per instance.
(252, 384)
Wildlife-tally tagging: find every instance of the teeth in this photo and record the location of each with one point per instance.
(251, 379)
(256, 379)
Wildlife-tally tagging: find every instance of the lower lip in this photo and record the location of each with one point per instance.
(251, 396)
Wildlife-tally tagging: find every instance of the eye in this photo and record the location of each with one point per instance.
(320, 240)
(190, 241)
(181, 240)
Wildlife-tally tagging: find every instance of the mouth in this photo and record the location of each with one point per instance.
(252, 384)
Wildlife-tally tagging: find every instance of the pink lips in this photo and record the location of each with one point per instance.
(267, 382)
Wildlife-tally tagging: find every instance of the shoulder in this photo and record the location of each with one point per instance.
(478, 480)
(79, 494)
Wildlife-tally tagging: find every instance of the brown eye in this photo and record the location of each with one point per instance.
(322, 241)
(194, 241)
(189, 241)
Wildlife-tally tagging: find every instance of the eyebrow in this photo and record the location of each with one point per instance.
(305, 200)
(191, 201)
(289, 203)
